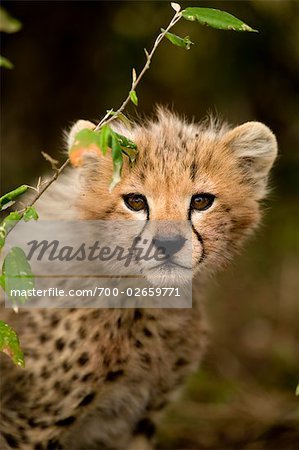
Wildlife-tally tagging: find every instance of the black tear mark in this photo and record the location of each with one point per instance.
(114, 375)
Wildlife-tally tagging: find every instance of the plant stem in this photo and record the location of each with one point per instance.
(43, 189)
(106, 119)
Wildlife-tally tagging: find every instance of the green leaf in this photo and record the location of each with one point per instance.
(177, 40)
(4, 62)
(30, 213)
(12, 195)
(297, 389)
(8, 223)
(17, 275)
(8, 24)
(216, 19)
(10, 344)
(117, 159)
(105, 138)
(134, 98)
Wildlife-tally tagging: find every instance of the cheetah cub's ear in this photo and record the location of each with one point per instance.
(255, 146)
(78, 126)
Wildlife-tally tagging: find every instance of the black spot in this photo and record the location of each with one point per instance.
(65, 422)
(32, 423)
(96, 314)
(96, 336)
(147, 332)
(65, 391)
(83, 318)
(82, 332)
(137, 314)
(53, 444)
(57, 385)
(59, 344)
(73, 345)
(87, 377)
(11, 440)
(38, 446)
(66, 366)
(47, 407)
(145, 358)
(145, 427)
(138, 344)
(180, 362)
(54, 321)
(118, 323)
(43, 338)
(83, 359)
(45, 373)
(106, 361)
(87, 399)
(75, 377)
(114, 375)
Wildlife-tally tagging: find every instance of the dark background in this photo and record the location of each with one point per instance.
(73, 59)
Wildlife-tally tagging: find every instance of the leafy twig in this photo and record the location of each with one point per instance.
(136, 80)
(45, 186)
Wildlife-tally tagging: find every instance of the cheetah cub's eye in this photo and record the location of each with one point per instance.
(201, 202)
(135, 202)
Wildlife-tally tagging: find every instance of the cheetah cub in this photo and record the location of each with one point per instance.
(97, 378)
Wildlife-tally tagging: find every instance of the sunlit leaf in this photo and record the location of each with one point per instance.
(17, 275)
(8, 23)
(86, 141)
(117, 158)
(10, 344)
(216, 19)
(30, 213)
(105, 138)
(177, 40)
(4, 62)
(6, 225)
(134, 98)
(12, 195)
(297, 389)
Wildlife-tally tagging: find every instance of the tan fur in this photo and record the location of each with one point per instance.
(95, 378)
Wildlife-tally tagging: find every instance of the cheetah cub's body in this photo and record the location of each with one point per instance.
(95, 378)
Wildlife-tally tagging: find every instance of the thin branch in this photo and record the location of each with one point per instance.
(43, 186)
(106, 119)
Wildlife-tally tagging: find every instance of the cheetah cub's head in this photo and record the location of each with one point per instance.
(195, 188)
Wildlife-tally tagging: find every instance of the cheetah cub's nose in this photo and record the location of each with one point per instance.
(169, 244)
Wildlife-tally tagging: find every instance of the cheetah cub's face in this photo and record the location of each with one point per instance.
(206, 179)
